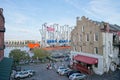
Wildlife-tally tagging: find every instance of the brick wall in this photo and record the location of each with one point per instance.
(90, 28)
(2, 30)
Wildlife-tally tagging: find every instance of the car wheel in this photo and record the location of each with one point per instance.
(29, 75)
(18, 78)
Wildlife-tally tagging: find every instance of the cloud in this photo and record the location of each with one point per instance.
(102, 10)
(75, 3)
(20, 18)
(106, 10)
(24, 31)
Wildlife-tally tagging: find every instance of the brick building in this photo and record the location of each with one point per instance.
(2, 30)
(5, 63)
(95, 45)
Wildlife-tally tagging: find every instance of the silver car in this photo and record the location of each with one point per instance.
(77, 76)
(23, 74)
(60, 68)
(64, 71)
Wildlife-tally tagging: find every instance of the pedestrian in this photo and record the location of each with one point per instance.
(47, 66)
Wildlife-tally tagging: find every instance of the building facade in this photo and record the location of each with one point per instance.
(95, 41)
(5, 63)
(2, 30)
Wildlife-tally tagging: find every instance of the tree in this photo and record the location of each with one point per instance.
(18, 55)
(40, 54)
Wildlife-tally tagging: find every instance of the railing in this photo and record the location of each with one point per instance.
(116, 43)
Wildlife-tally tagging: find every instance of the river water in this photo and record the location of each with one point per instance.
(7, 50)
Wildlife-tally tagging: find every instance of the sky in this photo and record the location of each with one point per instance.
(24, 18)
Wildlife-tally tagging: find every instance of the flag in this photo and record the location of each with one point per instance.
(50, 29)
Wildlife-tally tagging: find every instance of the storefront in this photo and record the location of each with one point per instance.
(84, 63)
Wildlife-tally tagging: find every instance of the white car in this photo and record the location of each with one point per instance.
(64, 71)
(77, 76)
(60, 68)
(31, 71)
(23, 74)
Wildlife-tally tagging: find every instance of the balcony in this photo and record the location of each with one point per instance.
(119, 53)
(116, 43)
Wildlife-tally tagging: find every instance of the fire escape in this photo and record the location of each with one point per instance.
(116, 42)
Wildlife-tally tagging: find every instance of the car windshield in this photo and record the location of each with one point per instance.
(21, 73)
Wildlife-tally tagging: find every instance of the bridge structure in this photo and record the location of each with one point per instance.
(19, 43)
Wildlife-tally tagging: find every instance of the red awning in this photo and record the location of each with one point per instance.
(86, 59)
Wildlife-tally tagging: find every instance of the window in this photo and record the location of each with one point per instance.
(96, 65)
(74, 37)
(87, 37)
(75, 48)
(95, 50)
(96, 37)
(82, 28)
(80, 48)
(80, 37)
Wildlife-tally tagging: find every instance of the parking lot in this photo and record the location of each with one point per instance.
(43, 74)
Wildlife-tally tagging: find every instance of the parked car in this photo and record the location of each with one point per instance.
(26, 62)
(17, 68)
(73, 71)
(23, 74)
(66, 59)
(64, 71)
(57, 56)
(77, 76)
(31, 71)
(32, 61)
(60, 68)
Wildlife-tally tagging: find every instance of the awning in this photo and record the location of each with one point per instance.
(5, 68)
(86, 59)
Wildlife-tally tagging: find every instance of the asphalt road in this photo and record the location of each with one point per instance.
(43, 74)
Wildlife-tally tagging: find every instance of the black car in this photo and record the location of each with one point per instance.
(73, 71)
(17, 68)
